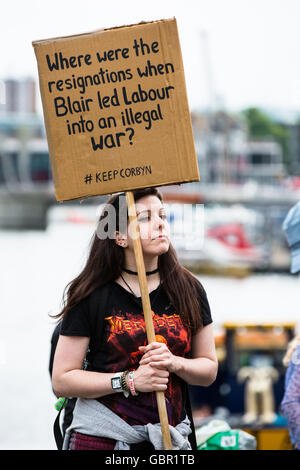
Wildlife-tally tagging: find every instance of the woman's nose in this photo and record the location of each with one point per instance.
(159, 222)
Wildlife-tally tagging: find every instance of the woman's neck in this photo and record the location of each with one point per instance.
(148, 273)
(150, 264)
(153, 280)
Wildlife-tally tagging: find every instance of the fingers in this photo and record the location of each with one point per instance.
(154, 349)
(160, 387)
(160, 380)
(151, 360)
(149, 371)
(153, 345)
(156, 355)
(162, 374)
(148, 379)
(162, 365)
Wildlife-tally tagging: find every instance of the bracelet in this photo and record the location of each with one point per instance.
(131, 384)
(124, 384)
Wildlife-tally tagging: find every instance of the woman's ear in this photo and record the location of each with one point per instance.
(121, 239)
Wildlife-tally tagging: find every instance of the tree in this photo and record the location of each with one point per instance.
(262, 126)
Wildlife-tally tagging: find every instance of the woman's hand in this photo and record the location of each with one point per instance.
(158, 355)
(150, 379)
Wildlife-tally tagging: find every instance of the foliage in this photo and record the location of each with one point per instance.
(262, 126)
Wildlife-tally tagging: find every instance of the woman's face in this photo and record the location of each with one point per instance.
(153, 225)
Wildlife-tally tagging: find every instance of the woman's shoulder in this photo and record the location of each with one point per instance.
(83, 315)
(97, 295)
(102, 289)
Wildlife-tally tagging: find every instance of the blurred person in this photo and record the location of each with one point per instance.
(291, 228)
(116, 404)
(290, 405)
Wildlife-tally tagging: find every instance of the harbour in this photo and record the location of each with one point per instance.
(35, 267)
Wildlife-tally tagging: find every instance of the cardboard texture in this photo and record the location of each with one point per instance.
(116, 110)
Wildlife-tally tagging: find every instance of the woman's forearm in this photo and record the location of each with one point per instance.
(197, 371)
(82, 384)
(86, 384)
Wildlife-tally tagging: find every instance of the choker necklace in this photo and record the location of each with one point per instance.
(148, 273)
(153, 300)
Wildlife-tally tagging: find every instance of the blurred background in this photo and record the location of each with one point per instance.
(243, 81)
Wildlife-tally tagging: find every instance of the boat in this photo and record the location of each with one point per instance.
(216, 239)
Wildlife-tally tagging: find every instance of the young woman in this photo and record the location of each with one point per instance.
(116, 406)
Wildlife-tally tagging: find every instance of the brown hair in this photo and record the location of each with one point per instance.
(105, 261)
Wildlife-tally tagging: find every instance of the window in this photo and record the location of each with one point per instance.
(40, 167)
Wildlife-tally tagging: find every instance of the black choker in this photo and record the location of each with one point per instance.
(134, 272)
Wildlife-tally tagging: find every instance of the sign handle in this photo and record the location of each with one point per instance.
(160, 396)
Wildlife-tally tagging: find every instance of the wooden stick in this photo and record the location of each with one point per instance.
(134, 227)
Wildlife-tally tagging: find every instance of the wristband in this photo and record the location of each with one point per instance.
(125, 387)
(131, 384)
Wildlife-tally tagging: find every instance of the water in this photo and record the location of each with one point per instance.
(35, 267)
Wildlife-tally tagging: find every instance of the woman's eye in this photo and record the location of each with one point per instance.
(148, 217)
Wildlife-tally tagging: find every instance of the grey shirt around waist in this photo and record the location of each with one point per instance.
(93, 418)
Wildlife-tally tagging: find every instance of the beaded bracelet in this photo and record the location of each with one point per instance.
(131, 384)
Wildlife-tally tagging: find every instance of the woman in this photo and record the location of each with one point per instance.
(290, 405)
(183, 353)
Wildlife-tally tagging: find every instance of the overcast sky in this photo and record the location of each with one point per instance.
(250, 56)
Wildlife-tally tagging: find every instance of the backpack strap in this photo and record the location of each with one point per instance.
(60, 405)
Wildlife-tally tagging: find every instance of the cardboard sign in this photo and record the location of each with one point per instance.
(116, 110)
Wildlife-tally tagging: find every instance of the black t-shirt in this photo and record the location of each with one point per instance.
(123, 332)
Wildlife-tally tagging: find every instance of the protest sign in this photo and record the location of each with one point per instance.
(116, 110)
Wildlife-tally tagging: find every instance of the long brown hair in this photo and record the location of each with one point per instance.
(105, 261)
